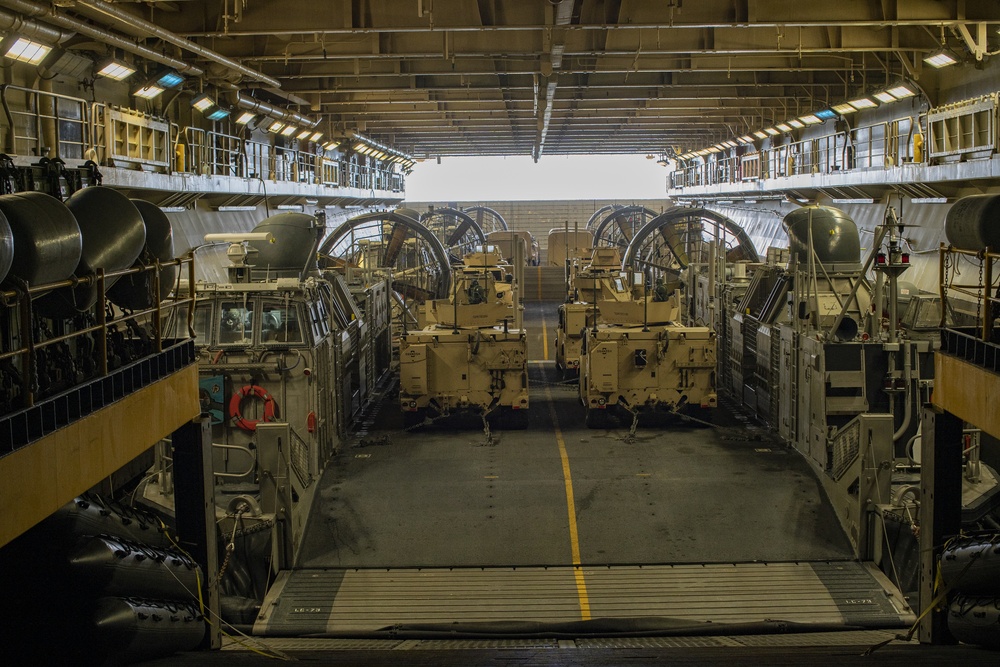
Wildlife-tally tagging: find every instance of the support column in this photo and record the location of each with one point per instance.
(940, 509)
(194, 501)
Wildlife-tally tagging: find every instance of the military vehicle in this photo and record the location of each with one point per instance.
(470, 353)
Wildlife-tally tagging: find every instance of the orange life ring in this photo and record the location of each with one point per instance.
(236, 401)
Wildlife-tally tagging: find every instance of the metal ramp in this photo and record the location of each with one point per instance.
(544, 283)
(365, 601)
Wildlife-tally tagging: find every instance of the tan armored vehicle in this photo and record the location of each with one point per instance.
(470, 354)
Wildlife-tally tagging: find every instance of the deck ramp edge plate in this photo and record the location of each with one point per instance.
(316, 601)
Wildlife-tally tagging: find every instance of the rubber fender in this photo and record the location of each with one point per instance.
(971, 565)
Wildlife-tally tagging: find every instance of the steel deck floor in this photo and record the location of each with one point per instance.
(442, 524)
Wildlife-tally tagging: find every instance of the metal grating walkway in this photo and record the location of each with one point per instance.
(847, 594)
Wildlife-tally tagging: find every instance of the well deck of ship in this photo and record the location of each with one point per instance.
(447, 527)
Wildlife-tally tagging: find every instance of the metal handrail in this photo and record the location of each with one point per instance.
(875, 146)
(32, 116)
(189, 149)
(980, 291)
(21, 299)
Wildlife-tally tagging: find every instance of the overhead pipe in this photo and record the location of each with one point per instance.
(29, 28)
(257, 106)
(563, 16)
(47, 15)
(126, 19)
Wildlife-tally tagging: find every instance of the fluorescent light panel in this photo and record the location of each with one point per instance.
(784, 127)
(884, 96)
(844, 107)
(304, 134)
(810, 119)
(771, 131)
(115, 70)
(28, 51)
(863, 103)
(218, 113)
(796, 123)
(941, 58)
(760, 134)
(901, 91)
(245, 118)
(149, 91)
(854, 200)
(203, 102)
(169, 79)
(288, 131)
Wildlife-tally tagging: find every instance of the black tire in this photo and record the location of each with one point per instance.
(508, 419)
(597, 418)
(414, 418)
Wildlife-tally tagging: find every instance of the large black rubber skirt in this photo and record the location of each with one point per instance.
(137, 291)
(973, 222)
(6, 247)
(834, 235)
(296, 237)
(44, 238)
(113, 236)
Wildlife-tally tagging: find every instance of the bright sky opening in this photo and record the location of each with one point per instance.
(518, 178)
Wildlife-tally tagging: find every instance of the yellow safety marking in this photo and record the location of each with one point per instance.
(642, 474)
(491, 476)
(539, 282)
(574, 537)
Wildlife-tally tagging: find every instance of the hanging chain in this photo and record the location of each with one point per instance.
(947, 277)
(982, 287)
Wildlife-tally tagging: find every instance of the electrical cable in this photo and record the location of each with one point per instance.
(274, 654)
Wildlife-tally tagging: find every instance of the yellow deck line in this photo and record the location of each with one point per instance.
(574, 537)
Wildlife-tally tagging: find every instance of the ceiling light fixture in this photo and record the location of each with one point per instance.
(316, 136)
(863, 102)
(27, 51)
(796, 123)
(115, 69)
(148, 91)
(784, 127)
(288, 131)
(943, 57)
(902, 89)
(844, 107)
(203, 102)
(760, 134)
(217, 113)
(810, 119)
(771, 131)
(244, 118)
(169, 78)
